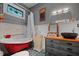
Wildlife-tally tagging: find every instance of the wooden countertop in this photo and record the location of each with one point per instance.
(61, 38)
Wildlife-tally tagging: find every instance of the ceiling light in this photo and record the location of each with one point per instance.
(65, 10)
(54, 12)
(60, 11)
(60, 21)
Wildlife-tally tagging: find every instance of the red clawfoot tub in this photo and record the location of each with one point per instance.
(15, 45)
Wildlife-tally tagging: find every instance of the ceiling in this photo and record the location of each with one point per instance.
(29, 5)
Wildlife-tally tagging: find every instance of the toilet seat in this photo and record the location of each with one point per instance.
(21, 53)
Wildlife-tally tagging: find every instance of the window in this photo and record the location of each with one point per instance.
(14, 11)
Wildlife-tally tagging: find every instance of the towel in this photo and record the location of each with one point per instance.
(38, 42)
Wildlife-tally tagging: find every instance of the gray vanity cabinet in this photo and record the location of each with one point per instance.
(61, 48)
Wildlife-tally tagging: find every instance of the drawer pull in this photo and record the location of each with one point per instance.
(51, 40)
(69, 43)
(69, 49)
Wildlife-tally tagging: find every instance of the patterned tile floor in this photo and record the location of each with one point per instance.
(36, 53)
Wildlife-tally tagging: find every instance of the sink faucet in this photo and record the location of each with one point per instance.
(73, 30)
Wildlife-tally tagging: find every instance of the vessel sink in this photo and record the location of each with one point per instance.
(69, 35)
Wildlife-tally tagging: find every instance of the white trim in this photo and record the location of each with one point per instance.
(5, 10)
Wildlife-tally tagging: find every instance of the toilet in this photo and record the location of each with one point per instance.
(21, 53)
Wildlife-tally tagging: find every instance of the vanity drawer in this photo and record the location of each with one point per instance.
(52, 41)
(53, 52)
(68, 43)
(69, 49)
(66, 48)
(57, 46)
(58, 52)
(49, 43)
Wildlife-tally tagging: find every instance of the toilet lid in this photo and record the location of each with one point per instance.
(21, 53)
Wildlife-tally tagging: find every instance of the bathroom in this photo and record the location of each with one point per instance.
(26, 29)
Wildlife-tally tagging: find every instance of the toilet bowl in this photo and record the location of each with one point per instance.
(21, 53)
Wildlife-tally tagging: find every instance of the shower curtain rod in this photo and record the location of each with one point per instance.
(20, 5)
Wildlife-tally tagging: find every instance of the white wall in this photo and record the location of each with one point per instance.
(53, 27)
(68, 27)
(74, 7)
(13, 29)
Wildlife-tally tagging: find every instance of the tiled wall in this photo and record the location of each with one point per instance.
(13, 29)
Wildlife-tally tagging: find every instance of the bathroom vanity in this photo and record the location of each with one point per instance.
(59, 46)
